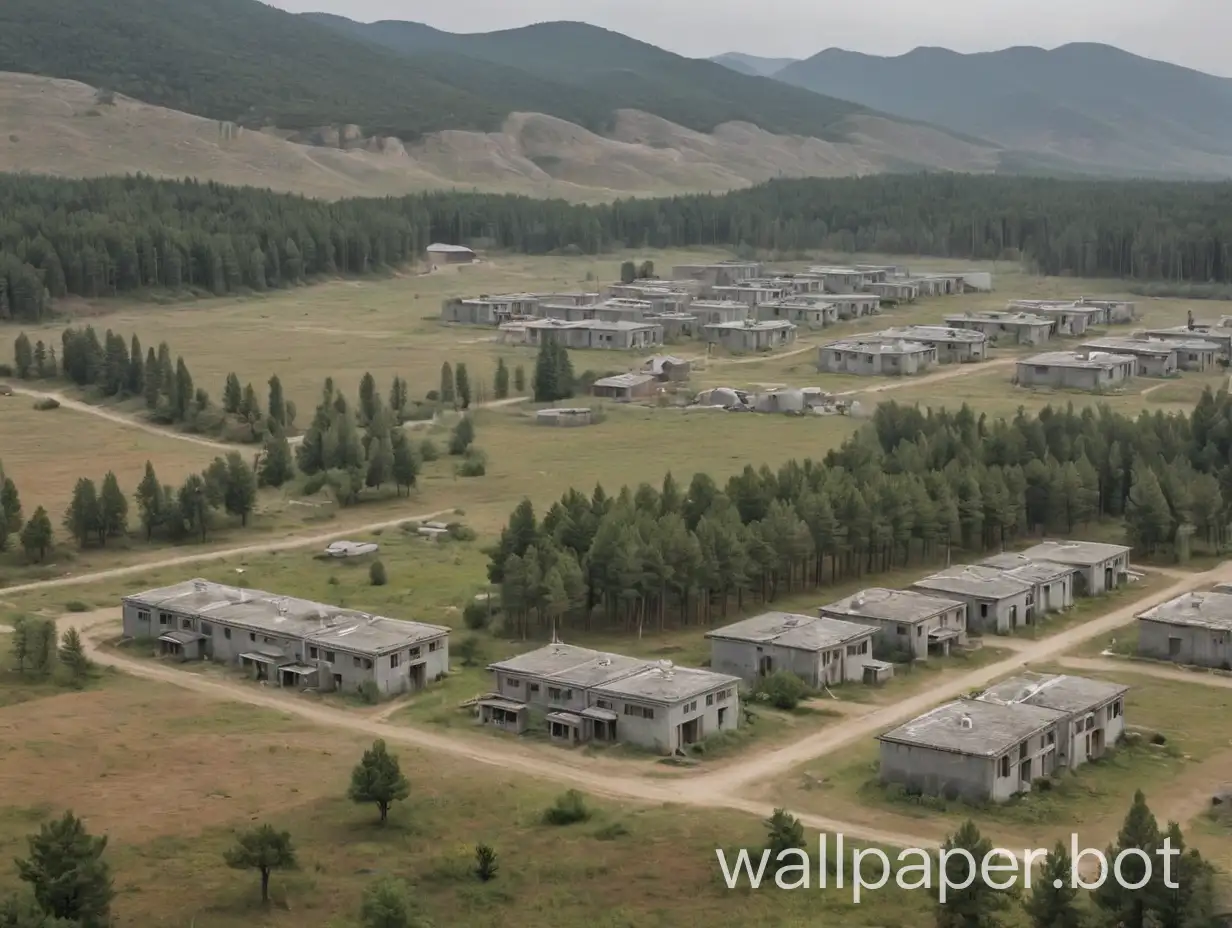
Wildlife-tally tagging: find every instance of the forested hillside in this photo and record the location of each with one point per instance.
(910, 482)
(110, 236)
(243, 61)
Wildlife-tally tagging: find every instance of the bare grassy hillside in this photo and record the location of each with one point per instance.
(57, 126)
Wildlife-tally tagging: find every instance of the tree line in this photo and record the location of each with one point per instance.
(110, 236)
(909, 486)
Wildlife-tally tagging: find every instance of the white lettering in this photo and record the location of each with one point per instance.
(1167, 852)
(943, 878)
(1120, 859)
(925, 866)
(1029, 857)
(989, 867)
(1075, 856)
(802, 865)
(857, 866)
(731, 876)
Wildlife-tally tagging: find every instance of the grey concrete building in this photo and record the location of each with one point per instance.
(565, 417)
(954, 346)
(566, 312)
(751, 335)
(652, 289)
(1053, 583)
(1195, 354)
(855, 305)
(667, 368)
(1068, 318)
(804, 312)
(592, 334)
(896, 291)
(1099, 567)
(819, 650)
(1194, 628)
(718, 274)
(1004, 328)
(717, 312)
(580, 695)
(839, 279)
(751, 293)
(1092, 371)
(1215, 333)
(996, 602)
(625, 388)
(676, 325)
(907, 622)
(1154, 357)
(489, 310)
(287, 641)
(867, 355)
(1094, 711)
(970, 749)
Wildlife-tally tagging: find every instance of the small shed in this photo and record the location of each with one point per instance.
(625, 387)
(668, 369)
(439, 255)
(565, 417)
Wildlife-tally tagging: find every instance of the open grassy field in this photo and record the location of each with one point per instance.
(1176, 776)
(171, 780)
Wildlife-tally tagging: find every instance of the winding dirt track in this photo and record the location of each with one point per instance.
(721, 788)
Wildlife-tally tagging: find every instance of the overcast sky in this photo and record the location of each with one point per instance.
(1189, 32)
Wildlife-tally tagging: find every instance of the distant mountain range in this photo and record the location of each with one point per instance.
(1081, 108)
(752, 64)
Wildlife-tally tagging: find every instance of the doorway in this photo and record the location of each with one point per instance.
(765, 666)
(1097, 743)
(722, 718)
(337, 681)
(690, 732)
(418, 676)
(1109, 582)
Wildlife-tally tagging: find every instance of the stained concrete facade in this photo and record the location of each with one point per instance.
(583, 695)
(806, 313)
(489, 310)
(719, 274)
(855, 305)
(287, 641)
(1098, 567)
(821, 651)
(876, 357)
(1215, 333)
(750, 293)
(1005, 328)
(954, 346)
(907, 622)
(1092, 371)
(593, 334)
(1153, 357)
(1053, 583)
(996, 602)
(750, 335)
(718, 312)
(1194, 628)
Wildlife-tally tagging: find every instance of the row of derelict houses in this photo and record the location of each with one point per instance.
(738, 305)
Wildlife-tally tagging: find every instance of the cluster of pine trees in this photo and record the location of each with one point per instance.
(911, 485)
(36, 535)
(554, 379)
(103, 237)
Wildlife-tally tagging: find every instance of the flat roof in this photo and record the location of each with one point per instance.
(892, 605)
(1146, 346)
(975, 580)
(974, 727)
(1078, 553)
(997, 315)
(449, 249)
(792, 630)
(657, 684)
(753, 325)
(1199, 610)
(1054, 691)
(939, 333)
(1095, 360)
(1018, 565)
(288, 616)
(879, 346)
(1054, 309)
(625, 380)
(718, 304)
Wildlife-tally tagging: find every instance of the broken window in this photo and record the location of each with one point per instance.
(143, 616)
(312, 653)
(434, 645)
(710, 700)
(207, 629)
(185, 623)
(1005, 766)
(331, 656)
(226, 633)
(513, 682)
(164, 618)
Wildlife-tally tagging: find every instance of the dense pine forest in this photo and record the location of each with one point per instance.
(96, 238)
(911, 486)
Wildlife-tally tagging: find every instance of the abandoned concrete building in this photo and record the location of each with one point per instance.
(489, 310)
(1153, 357)
(719, 274)
(668, 369)
(442, 255)
(1053, 583)
(750, 293)
(1215, 333)
(1195, 354)
(996, 602)
(751, 335)
(839, 279)
(676, 325)
(907, 622)
(565, 417)
(996, 745)
(592, 333)
(804, 312)
(1093, 371)
(625, 388)
(1194, 628)
(896, 291)
(1003, 328)
(717, 312)
(1068, 319)
(954, 346)
(868, 355)
(1099, 567)
(792, 284)
(647, 289)
(821, 651)
(855, 305)
(287, 641)
(583, 695)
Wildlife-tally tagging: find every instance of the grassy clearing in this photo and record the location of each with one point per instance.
(145, 764)
(1092, 798)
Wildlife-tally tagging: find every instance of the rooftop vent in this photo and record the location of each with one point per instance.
(605, 662)
(965, 722)
(282, 607)
(666, 669)
(858, 601)
(199, 586)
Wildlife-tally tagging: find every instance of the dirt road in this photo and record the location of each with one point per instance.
(214, 554)
(958, 370)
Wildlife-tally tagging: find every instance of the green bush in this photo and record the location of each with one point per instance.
(460, 532)
(77, 605)
(369, 692)
(376, 574)
(569, 809)
(428, 451)
(783, 690)
(475, 464)
(475, 616)
(46, 403)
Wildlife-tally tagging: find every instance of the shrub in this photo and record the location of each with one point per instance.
(418, 412)
(46, 403)
(460, 532)
(783, 690)
(369, 692)
(569, 809)
(611, 832)
(376, 574)
(428, 451)
(6, 370)
(433, 396)
(314, 484)
(475, 616)
(475, 464)
(485, 863)
(77, 605)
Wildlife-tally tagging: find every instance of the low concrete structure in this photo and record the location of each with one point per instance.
(996, 602)
(750, 335)
(592, 334)
(1002, 328)
(718, 274)
(1053, 583)
(897, 291)
(1067, 318)
(808, 313)
(676, 325)
(1093, 371)
(907, 622)
(1216, 333)
(667, 368)
(839, 279)
(288, 641)
(717, 312)
(565, 417)
(626, 387)
(820, 651)
(954, 346)
(489, 310)
(1153, 357)
(894, 357)
(855, 305)
(441, 255)
(1099, 567)
(751, 293)
(580, 695)
(1194, 628)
